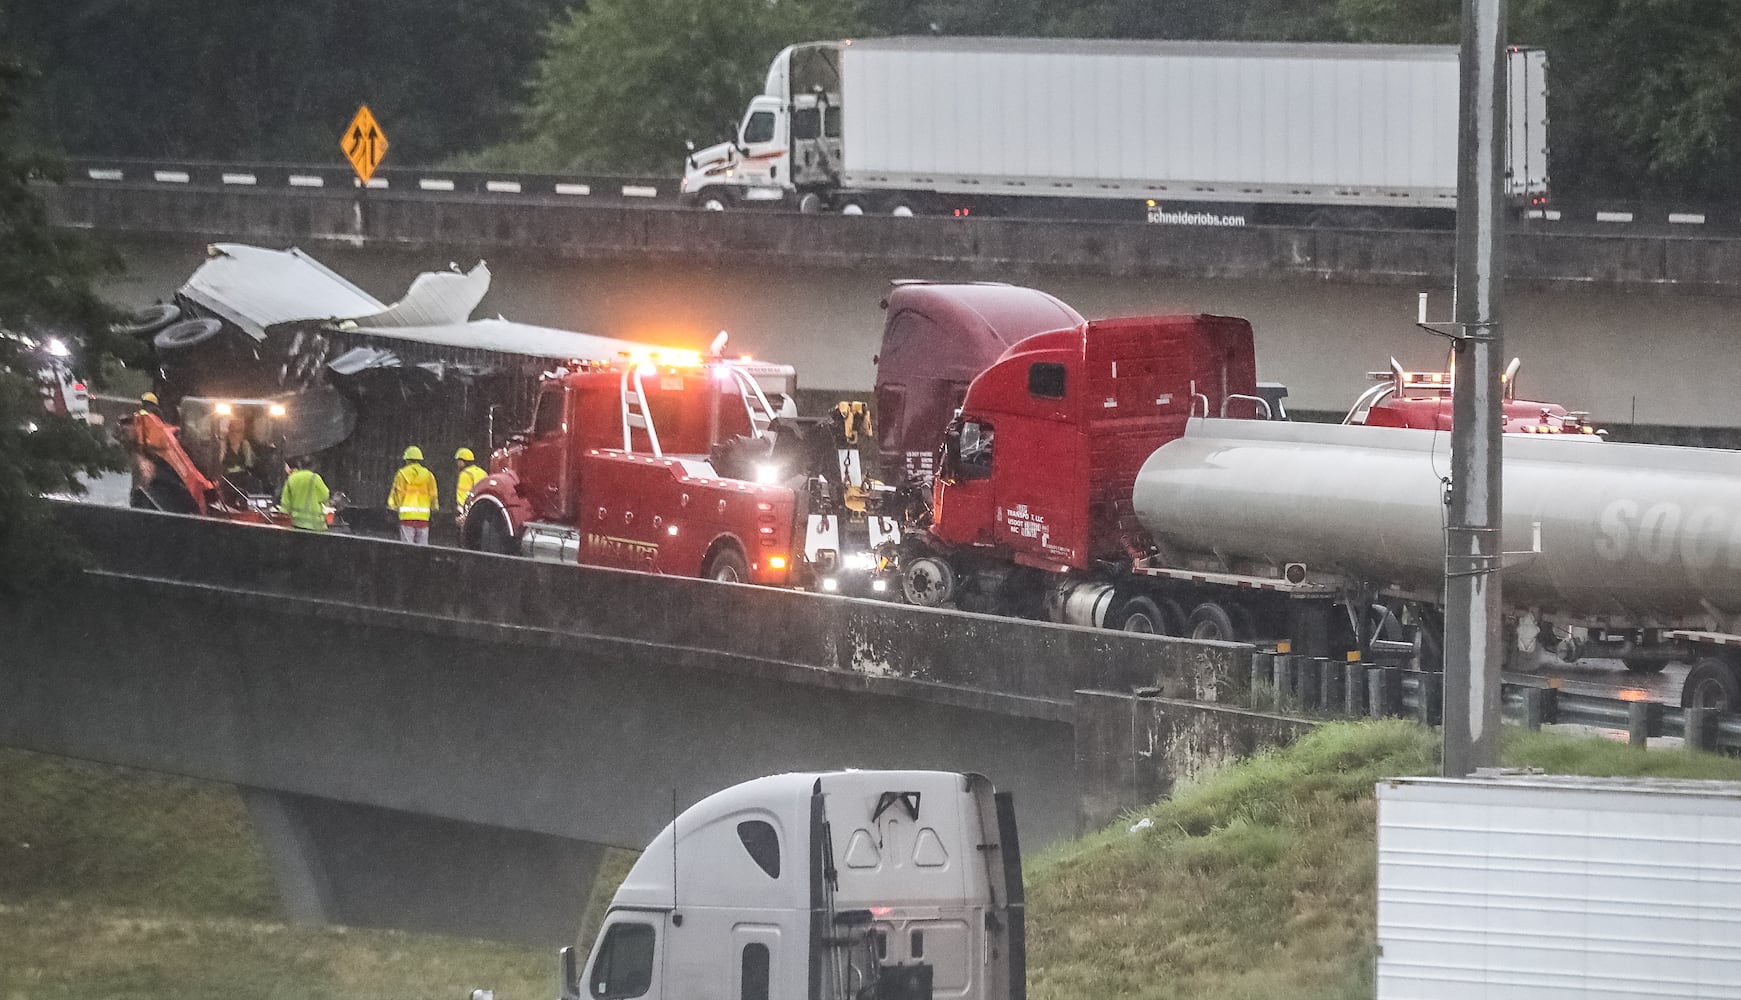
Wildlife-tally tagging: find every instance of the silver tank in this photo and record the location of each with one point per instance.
(1630, 534)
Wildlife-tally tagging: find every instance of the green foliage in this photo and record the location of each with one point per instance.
(237, 80)
(625, 82)
(45, 289)
(1260, 880)
(121, 883)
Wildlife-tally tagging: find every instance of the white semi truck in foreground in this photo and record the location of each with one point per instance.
(1180, 133)
(841, 885)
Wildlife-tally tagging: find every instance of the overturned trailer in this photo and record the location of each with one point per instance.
(362, 379)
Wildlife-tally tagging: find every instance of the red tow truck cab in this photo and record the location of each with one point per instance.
(644, 465)
(1422, 399)
(1039, 467)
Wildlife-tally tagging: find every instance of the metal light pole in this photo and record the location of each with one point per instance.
(1473, 639)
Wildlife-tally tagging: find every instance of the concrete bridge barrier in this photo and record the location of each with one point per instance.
(445, 740)
(996, 247)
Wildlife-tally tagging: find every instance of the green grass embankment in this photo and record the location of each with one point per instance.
(123, 884)
(1255, 883)
(1260, 881)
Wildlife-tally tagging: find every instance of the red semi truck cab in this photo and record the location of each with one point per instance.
(646, 465)
(1038, 468)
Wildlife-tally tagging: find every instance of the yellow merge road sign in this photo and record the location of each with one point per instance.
(364, 144)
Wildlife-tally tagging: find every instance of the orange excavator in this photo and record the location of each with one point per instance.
(168, 477)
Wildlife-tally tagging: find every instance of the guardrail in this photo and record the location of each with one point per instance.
(430, 181)
(1618, 216)
(1364, 690)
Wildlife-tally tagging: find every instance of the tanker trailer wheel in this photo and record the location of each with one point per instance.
(727, 566)
(1211, 621)
(928, 582)
(1643, 665)
(1147, 615)
(1712, 683)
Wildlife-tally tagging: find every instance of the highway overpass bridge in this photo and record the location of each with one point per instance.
(1626, 326)
(608, 224)
(444, 740)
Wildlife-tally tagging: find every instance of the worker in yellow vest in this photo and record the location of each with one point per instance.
(304, 497)
(413, 497)
(469, 476)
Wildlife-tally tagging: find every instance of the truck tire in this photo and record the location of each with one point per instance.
(494, 535)
(928, 582)
(714, 200)
(147, 322)
(187, 333)
(810, 203)
(851, 207)
(727, 566)
(1643, 665)
(1712, 683)
(1211, 621)
(902, 210)
(1143, 614)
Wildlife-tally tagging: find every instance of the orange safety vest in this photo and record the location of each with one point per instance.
(413, 494)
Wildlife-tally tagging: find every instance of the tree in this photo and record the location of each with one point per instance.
(249, 80)
(46, 288)
(624, 83)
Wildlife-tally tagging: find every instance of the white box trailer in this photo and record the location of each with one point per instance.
(1185, 132)
(1530, 886)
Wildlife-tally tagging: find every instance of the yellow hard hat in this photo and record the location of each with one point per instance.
(150, 397)
(464, 455)
(414, 453)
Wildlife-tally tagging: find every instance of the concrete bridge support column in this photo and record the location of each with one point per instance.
(342, 863)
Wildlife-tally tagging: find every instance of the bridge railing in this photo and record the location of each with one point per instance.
(1316, 685)
(423, 181)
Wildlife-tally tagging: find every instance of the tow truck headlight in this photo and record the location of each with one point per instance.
(880, 586)
(864, 561)
(222, 409)
(767, 474)
(830, 585)
(276, 409)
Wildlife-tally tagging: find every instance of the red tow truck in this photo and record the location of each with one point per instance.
(1422, 399)
(672, 463)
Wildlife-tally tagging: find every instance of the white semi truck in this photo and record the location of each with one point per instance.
(892, 885)
(1182, 133)
(1508, 887)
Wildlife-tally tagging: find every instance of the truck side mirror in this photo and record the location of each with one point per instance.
(569, 979)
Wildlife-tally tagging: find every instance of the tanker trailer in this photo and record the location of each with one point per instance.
(1636, 547)
(1082, 482)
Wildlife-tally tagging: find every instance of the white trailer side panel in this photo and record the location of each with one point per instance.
(1555, 888)
(1205, 121)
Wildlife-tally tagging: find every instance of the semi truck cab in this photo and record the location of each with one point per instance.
(788, 144)
(898, 885)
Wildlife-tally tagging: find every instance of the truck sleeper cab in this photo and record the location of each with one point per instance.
(626, 465)
(893, 884)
